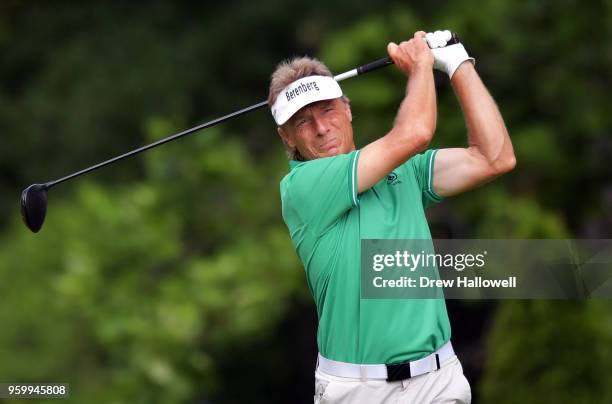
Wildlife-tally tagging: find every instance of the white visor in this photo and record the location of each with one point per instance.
(301, 93)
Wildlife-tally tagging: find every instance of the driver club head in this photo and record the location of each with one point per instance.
(34, 206)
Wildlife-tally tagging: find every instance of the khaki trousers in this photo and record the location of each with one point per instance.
(446, 385)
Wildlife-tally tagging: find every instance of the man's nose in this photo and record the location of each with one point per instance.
(322, 125)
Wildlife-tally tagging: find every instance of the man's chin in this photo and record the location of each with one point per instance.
(333, 151)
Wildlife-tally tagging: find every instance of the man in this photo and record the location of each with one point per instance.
(379, 350)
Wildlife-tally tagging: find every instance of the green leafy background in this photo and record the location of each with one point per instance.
(171, 278)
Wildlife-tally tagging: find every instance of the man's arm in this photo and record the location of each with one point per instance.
(489, 152)
(416, 119)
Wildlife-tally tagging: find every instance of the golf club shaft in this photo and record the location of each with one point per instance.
(160, 142)
(351, 73)
(368, 67)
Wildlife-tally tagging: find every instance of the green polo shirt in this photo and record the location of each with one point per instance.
(326, 220)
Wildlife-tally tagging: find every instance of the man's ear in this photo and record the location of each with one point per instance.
(347, 108)
(285, 136)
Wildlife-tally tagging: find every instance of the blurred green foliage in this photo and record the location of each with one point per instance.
(148, 273)
(550, 351)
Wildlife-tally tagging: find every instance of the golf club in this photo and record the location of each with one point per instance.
(34, 197)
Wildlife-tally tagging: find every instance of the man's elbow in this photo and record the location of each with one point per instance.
(423, 136)
(504, 165)
(413, 139)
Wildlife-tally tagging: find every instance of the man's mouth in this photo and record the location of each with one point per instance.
(328, 145)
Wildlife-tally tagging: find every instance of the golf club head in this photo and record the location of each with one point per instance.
(34, 206)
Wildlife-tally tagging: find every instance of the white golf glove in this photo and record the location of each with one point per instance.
(446, 58)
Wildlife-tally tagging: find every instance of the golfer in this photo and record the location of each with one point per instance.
(380, 350)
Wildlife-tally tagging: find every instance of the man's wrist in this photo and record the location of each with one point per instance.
(464, 69)
(421, 68)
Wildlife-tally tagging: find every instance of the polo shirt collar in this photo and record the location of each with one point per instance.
(294, 163)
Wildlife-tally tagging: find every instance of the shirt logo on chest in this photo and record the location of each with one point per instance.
(392, 178)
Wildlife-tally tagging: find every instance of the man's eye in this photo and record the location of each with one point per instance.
(301, 122)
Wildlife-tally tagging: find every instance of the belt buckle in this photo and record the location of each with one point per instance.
(401, 371)
(398, 371)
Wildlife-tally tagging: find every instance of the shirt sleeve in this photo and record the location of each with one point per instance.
(423, 167)
(322, 190)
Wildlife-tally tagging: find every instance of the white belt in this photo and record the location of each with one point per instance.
(401, 371)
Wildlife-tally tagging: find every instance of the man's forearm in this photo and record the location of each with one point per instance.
(417, 113)
(487, 132)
